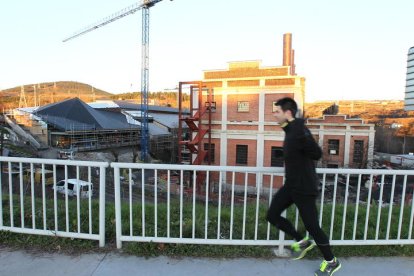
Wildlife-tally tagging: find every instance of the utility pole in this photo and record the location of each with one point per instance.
(22, 100)
(35, 95)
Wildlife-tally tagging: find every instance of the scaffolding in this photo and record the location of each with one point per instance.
(77, 139)
(162, 147)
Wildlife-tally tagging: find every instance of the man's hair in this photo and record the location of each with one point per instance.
(288, 104)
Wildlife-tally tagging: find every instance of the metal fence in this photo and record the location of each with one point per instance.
(227, 205)
(197, 204)
(31, 202)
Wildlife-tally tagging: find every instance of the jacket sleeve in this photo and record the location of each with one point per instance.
(309, 145)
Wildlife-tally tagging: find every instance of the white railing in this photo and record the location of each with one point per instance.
(177, 204)
(28, 194)
(198, 204)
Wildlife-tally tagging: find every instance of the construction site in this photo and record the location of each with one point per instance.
(72, 126)
(230, 121)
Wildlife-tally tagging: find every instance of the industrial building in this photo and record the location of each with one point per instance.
(346, 142)
(409, 85)
(74, 126)
(232, 122)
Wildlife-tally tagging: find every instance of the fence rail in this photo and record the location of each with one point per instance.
(28, 194)
(227, 205)
(198, 204)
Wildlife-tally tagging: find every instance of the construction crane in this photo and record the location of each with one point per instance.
(145, 5)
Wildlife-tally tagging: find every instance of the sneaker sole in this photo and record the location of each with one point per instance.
(336, 269)
(303, 254)
(332, 273)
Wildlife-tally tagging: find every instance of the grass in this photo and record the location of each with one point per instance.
(76, 246)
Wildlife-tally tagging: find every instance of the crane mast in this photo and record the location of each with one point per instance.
(144, 84)
(144, 5)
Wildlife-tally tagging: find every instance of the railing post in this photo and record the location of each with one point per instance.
(281, 252)
(118, 228)
(102, 193)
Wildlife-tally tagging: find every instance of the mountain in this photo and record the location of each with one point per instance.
(50, 92)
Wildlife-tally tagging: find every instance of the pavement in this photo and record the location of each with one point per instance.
(20, 262)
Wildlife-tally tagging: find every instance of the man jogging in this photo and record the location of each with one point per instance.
(301, 187)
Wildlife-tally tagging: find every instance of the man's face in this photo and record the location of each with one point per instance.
(280, 115)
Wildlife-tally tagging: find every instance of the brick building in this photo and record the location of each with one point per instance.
(242, 127)
(244, 131)
(346, 143)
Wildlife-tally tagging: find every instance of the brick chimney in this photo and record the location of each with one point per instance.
(288, 53)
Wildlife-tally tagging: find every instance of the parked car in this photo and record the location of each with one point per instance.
(74, 187)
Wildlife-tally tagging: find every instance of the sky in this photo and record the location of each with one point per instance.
(345, 49)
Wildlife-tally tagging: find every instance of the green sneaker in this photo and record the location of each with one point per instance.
(299, 249)
(328, 268)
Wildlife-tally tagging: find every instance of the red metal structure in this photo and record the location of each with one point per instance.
(195, 142)
(198, 122)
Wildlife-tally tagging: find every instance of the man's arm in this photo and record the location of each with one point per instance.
(309, 145)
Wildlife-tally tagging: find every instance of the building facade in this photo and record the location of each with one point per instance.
(243, 129)
(409, 86)
(345, 143)
(244, 132)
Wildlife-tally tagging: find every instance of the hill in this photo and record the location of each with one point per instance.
(370, 111)
(57, 91)
(50, 92)
(380, 113)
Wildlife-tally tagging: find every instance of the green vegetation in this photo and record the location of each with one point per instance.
(51, 92)
(155, 249)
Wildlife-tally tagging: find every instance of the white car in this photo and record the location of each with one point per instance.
(74, 187)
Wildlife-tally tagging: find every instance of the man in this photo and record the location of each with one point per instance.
(301, 187)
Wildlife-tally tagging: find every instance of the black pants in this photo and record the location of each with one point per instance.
(306, 205)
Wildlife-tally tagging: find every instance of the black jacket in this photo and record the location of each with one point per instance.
(300, 152)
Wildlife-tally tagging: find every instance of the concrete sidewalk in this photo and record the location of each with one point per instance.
(40, 264)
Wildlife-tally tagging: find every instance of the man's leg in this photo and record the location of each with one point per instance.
(280, 202)
(309, 214)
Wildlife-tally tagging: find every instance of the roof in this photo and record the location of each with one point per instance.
(74, 114)
(135, 113)
(103, 104)
(154, 108)
(168, 120)
(406, 156)
(155, 130)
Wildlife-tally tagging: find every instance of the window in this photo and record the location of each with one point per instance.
(212, 150)
(242, 106)
(60, 183)
(358, 151)
(211, 106)
(333, 146)
(276, 159)
(274, 106)
(241, 154)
